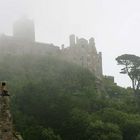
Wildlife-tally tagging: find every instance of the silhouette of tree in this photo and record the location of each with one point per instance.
(131, 67)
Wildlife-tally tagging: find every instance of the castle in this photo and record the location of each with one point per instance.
(80, 51)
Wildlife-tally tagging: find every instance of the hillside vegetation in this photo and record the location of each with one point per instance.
(55, 100)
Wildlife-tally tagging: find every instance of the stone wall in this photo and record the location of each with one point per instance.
(6, 126)
(10, 45)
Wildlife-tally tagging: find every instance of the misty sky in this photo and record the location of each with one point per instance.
(115, 25)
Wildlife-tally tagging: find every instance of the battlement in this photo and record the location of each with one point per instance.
(83, 52)
(75, 41)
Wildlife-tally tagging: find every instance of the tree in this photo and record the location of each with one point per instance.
(48, 134)
(99, 130)
(131, 67)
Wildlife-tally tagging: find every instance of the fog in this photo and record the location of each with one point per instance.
(113, 24)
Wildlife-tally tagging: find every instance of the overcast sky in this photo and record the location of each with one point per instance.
(115, 25)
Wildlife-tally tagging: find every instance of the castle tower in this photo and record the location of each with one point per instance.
(100, 69)
(72, 40)
(24, 29)
(92, 45)
(92, 41)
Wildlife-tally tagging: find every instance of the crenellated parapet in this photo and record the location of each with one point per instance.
(83, 52)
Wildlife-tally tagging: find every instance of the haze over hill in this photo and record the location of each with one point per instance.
(54, 99)
(114, 25)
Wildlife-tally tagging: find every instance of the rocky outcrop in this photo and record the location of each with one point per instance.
(6, 125)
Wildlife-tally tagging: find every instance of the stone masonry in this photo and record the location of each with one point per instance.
(6, 125)
(6, 130)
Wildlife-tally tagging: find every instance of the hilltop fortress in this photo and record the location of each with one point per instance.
(80, 51)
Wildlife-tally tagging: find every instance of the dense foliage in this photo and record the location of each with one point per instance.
(55, 100)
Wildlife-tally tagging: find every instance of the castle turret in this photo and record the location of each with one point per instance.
(24, 29)
(100, 69)
(77, 39)
(72, 40)
(62, 46)
(92, 41)
(92, 45)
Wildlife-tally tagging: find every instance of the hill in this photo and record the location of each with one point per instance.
(55, 100)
